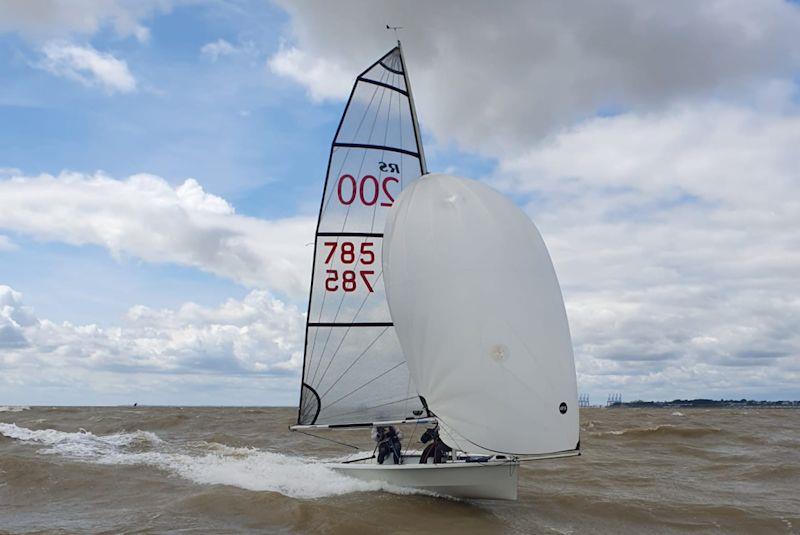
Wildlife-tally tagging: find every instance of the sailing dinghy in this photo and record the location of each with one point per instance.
(433, 301)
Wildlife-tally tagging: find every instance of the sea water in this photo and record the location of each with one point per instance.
(90, 469)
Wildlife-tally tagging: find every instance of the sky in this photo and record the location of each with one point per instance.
(161, 164)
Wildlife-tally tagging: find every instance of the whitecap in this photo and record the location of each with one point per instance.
(13, 408)
(205, 463)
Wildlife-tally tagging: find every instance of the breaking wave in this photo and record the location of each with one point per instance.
(206, 463)
(13, 408)
(666, 429)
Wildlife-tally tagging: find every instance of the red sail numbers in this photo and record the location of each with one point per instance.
(349, 280)
(367, 190)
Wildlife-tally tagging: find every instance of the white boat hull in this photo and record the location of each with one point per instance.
(490, 480)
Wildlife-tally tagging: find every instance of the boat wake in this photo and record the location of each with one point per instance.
(205, 463)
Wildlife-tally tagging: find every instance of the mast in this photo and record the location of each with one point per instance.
(423, 163)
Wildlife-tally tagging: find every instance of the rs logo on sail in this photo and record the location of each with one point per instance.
(390, 167)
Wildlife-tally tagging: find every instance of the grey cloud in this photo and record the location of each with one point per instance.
(11, 336)
(497, 78)
(42, 19)
(706, 286)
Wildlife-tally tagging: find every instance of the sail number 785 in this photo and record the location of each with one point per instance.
(349, 279)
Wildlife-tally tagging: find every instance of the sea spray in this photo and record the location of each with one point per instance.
(202, 462)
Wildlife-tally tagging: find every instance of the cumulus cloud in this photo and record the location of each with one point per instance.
(6, 244)
(143, 216)
(323, 78)
(87, 66)
(497, 80)
(676, 237)
(256, 336)
(14, 318)
(216, 49)
(43, 19)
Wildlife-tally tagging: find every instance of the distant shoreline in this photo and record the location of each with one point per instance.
(706, 404)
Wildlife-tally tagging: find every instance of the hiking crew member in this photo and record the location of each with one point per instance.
(437, 448)
(388, 439)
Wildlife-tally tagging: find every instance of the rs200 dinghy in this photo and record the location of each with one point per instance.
(433, 303)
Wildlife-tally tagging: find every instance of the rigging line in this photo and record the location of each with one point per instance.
(408, 392)
(328, 439)
(336, 351)
(354, 361)
(368, 382)
(369, 408)
(413, 432)
(361, 459)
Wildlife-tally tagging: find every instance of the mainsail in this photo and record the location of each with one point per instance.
(354, 371)
(481, 320)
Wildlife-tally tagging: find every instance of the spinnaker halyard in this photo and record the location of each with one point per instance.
(354, 372)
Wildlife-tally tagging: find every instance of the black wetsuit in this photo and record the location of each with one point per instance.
(437, 448)
(389, 444)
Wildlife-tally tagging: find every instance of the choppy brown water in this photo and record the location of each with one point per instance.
(228, 470)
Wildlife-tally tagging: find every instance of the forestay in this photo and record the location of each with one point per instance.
(354, 372)
(481, 320)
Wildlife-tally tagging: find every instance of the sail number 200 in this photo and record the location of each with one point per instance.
(349, 279)
(367, 190)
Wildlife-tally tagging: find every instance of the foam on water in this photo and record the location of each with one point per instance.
(202, 462)
(13, 408)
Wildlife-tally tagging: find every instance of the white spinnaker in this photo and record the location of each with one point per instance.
(480, 317)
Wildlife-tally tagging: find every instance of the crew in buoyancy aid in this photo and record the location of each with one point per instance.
(437, 448)
(388, 439)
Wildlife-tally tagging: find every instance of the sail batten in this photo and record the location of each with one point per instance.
(354, 369)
